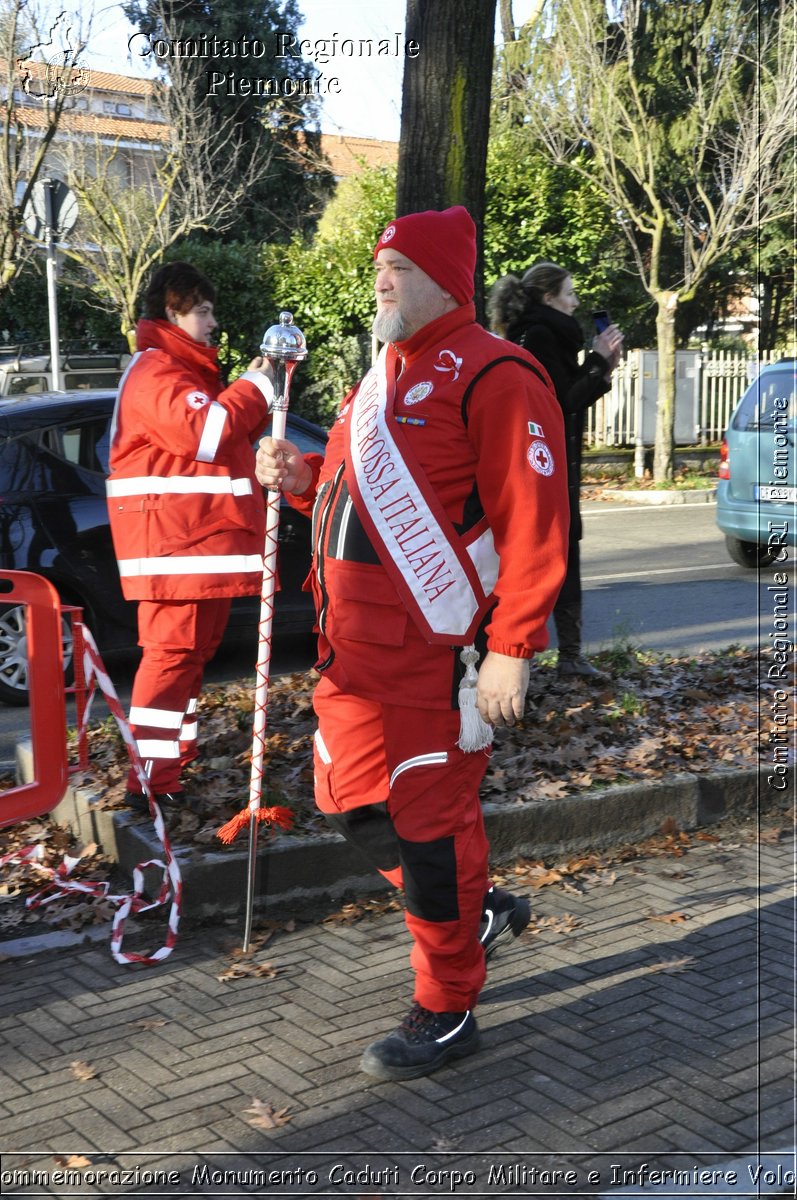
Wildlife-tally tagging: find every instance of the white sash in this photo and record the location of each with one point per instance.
(445, 581)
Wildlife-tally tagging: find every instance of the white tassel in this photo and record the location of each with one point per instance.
(474, 733)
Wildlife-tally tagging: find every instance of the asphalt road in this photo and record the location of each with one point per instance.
(659, 576)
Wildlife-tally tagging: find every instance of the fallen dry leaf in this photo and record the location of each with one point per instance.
(770, 835)
(362, 908)
(82, 1070)
(256, 943)
(574, 889)
(543, 877)
(603, 878)
(442, 1144)
(265, 1116)
(249, 970)
(673, 918)
(672, 965)
(551, 789)
(562, 924)
(75, 1161)
(583, 864)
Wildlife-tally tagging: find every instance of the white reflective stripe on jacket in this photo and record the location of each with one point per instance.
(155, 485)
(212, 433)
(195, 564)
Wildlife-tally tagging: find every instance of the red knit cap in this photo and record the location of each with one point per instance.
(443, 244)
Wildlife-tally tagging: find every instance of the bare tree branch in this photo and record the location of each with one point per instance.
(195, 181)
(40, 66)
(697, 175)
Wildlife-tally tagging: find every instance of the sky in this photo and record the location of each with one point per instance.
(368, 103)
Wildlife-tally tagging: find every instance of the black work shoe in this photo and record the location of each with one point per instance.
(139, 803)
(503, 914)
(423, 1042)
(579, 667)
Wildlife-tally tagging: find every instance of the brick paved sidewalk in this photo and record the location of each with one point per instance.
(611, 1040)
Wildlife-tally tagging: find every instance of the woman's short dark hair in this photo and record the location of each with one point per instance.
(179, 286)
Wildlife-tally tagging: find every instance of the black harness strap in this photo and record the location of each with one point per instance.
(495, 363)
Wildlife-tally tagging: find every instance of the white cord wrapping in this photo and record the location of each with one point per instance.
(474, 733)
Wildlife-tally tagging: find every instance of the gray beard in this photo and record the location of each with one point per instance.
(389, 326)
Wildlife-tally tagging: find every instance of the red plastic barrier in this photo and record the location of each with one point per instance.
(47, 705)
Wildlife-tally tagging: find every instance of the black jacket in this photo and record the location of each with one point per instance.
(556, 339)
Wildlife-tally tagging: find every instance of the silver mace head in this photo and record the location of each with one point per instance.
(284, 346)
(283, 342)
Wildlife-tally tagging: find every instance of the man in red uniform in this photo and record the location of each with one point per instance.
(440, 535)
(186, 512)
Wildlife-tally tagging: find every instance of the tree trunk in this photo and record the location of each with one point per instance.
(663, 452)
(445, 111)
(128, 328)
(771, 293)
(507, 20)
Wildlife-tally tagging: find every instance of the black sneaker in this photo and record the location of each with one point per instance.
(423, 1042)
(503, 914)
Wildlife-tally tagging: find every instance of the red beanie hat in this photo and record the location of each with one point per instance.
(443, 244)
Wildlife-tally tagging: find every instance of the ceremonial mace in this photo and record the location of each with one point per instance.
(283, 346)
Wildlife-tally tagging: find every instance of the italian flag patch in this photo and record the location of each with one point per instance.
(535, 430)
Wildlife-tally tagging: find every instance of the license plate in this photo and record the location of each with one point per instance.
(783, 495)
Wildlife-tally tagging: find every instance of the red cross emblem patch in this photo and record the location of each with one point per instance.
(540, 458)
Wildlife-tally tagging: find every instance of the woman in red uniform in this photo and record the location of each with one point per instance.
(186, 512)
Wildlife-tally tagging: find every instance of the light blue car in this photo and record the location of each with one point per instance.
(757, 486)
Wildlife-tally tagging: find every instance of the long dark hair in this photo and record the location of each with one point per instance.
(512, 296)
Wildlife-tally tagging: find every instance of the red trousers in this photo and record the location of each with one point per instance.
(178, 637)
(392, 780)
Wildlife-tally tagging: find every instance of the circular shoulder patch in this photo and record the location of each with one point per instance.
(540, 458)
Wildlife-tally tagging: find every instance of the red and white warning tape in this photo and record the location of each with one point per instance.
(136, 902)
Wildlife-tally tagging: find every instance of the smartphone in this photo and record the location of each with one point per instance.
(602, 319)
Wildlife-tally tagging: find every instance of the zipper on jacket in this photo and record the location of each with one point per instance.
(320, 550)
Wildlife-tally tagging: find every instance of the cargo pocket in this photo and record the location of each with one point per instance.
(131, 525)
(365, 607)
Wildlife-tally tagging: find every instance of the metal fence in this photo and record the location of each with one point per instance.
(708, 387)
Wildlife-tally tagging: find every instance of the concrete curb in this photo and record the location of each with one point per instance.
(319, 870)
(630, 496)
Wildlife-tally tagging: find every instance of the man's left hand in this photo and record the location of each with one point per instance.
(501, 690)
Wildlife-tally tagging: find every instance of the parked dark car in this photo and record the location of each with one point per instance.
(54, 522)
(757, 485)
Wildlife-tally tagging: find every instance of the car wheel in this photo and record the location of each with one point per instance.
(748, 554)
(14, 654)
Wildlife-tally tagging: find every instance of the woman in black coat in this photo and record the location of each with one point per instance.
(536, 311)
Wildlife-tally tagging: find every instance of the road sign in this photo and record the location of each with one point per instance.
(49, 215)
(51, 211)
